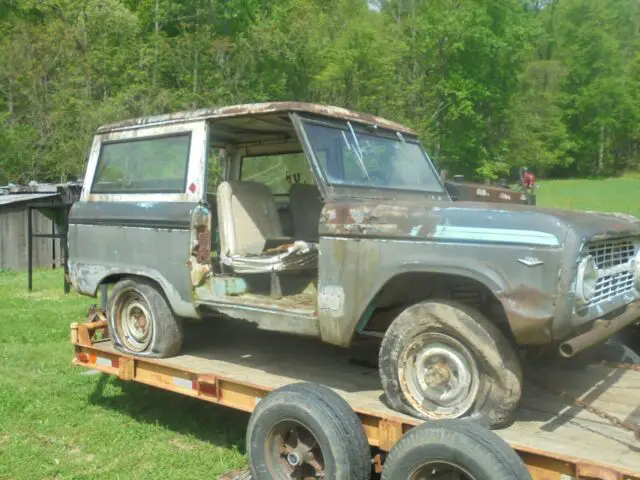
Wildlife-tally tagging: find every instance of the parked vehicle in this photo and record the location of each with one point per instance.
(323, 222)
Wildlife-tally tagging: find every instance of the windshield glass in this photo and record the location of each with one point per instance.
(348, 155)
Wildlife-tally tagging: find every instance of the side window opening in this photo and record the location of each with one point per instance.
(278, 172)
(147, 165)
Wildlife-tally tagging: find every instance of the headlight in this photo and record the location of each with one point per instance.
(587, 279)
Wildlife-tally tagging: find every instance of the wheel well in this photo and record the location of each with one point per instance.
(116, 277)
(409, 288)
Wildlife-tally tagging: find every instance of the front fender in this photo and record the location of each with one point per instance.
(352, 273)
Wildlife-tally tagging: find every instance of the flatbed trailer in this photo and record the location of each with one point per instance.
(236, 366)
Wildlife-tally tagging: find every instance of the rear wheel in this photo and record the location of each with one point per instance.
(453, 450)
(445, 360)
(141, 321)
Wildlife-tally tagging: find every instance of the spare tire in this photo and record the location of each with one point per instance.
(305, 430)
(463, 449)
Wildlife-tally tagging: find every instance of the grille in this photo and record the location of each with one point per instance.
(609, 254)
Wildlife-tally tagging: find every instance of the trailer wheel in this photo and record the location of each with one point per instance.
(304, 431)
(453, 449)
(141, 321)
(441, 359)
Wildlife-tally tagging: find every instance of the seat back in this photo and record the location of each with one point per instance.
(248, 216)
(305, 207)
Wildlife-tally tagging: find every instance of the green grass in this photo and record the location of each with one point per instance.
(608, 195)
(58, 421)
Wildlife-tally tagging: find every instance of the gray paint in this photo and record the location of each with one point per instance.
(148, 214)
(525, 257)
(99, 251)
(365, 244)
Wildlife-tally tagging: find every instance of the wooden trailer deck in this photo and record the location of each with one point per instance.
(235, 365)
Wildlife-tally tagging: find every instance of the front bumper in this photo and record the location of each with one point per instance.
(601, 329)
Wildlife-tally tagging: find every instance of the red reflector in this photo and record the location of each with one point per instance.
(208, 389)
(192, 187)
(82, 357)
(115, 363)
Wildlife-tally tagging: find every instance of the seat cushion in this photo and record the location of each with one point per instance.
(248, 216)
(305, 206)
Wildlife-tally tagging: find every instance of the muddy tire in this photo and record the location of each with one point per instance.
(303, 429)
(141, 321)
(441, 359)
(462, 449)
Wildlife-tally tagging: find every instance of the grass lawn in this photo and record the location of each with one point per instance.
(609, 195)
(60, 421)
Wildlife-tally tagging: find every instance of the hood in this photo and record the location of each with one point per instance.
(472, 221)
(585, 225)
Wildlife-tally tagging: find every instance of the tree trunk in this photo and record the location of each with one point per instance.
(155, 44)
(195, 62)
(601, 151)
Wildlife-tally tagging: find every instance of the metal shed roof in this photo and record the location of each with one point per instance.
(23, 197)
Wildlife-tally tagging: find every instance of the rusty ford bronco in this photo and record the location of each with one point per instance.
(320, 221)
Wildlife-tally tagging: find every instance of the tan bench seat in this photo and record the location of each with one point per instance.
(251, 237)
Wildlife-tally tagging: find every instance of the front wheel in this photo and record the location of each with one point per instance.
(141, 321)
(444, 360)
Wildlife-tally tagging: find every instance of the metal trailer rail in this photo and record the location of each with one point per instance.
(236, 366)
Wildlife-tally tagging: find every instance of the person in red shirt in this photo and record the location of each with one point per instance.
(528, 180)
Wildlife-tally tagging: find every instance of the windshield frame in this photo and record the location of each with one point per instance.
(300, 122)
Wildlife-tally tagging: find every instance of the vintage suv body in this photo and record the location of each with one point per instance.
(319, 221)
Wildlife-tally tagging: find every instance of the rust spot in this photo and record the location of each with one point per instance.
(377, 463)
(529, 314)
(203, 249)
(259, 109)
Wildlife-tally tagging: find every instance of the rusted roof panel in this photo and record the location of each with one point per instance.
(256, 109)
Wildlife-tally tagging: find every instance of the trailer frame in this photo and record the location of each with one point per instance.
(92, 350)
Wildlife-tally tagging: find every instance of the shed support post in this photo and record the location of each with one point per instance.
(30, 247)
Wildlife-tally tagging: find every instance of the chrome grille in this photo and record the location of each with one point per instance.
(609, 253)
(611, 257)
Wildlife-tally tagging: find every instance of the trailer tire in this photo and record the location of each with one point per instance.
(436, 342)
(158, 335)
(321, 418)
(472, 449)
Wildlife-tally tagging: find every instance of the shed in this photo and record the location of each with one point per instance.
(14, 228)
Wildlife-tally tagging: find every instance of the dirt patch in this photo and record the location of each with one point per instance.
(236, 475)
(180, 444)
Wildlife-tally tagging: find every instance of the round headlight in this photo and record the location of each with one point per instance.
(587, 279)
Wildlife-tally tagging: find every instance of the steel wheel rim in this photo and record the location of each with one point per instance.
(134, 320)
(439, 376)
(292, 452)
(440, 470)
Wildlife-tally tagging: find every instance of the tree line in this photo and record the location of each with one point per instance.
(491, 85)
